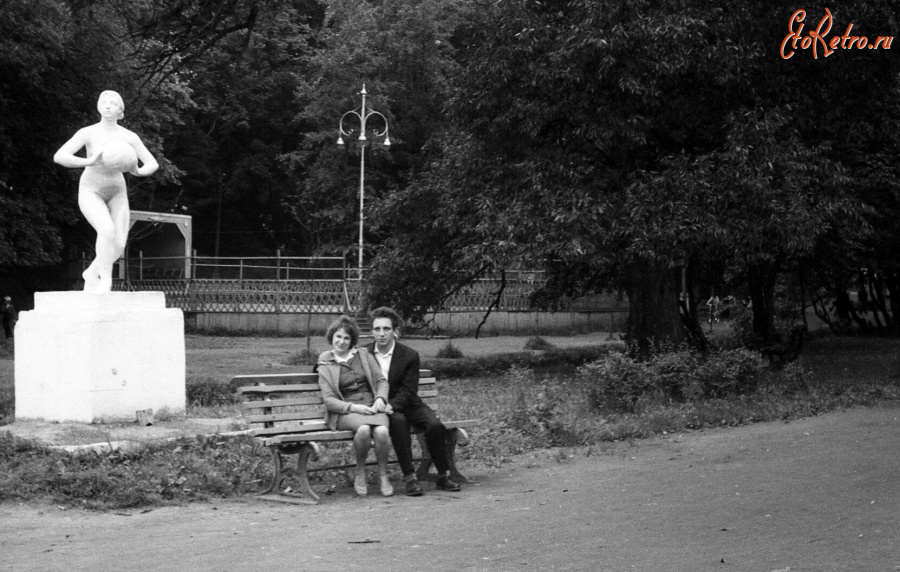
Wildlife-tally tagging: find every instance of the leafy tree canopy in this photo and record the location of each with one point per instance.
(611, 141)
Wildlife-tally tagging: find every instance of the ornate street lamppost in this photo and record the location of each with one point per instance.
(362, 115)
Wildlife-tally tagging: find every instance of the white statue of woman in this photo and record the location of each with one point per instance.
(111, 150)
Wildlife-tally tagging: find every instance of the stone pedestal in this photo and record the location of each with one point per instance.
(99, 357)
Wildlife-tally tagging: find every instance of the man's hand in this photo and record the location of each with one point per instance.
(388, 409)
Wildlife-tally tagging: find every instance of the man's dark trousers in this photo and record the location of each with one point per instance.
(410, 411)
(435, 437)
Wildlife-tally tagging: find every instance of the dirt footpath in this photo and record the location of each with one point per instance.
(816, 494)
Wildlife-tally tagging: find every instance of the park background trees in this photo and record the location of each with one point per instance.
(626, 146)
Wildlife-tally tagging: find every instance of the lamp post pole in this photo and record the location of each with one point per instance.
(362, 115)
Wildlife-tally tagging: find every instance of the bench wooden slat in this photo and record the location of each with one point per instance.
(304, 377)
(276, 378)
(462, 423)
(296, 415)
(274, 403)
(319, 432)
(268, 389)
(289, 429)
(311, 436)
(292, 416)
(430, 400)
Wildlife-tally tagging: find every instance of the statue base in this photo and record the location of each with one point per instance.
(99, 357)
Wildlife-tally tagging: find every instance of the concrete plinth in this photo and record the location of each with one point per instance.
(99, 357)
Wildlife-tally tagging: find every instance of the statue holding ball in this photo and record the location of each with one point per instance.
(110, 150)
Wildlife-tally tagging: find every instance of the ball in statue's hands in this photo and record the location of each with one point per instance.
(119, 157)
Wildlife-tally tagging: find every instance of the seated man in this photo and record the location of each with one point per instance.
(405, 408)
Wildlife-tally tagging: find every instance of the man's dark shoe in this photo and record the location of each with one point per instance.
(413, 489)
(445, 484)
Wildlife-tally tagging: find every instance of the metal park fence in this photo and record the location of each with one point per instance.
(322, 285)
(260, 284)
(234, 268)
(258, 296)
(481, 294)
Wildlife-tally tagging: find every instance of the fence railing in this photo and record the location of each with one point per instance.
(258, 296)
(233, 267)
(301, 290)
(481, 294)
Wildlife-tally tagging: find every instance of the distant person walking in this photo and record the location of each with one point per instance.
(9, 316)
(715, 306)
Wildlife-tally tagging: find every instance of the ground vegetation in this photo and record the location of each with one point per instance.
(607, 398)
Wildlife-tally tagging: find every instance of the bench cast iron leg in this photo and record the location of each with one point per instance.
(309, 451)
(453, 437)
(278, 477)
(282, 470)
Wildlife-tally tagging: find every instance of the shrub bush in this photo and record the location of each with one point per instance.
(450, 351)
(538, 343)
(671, 370)
(522, 415)
(7, 405)
(741, 334)
(499, 363)
(207, 392)
(303, 357)
(725, 373)
(579, 355)
(796, 377)
(621, 383)
(537, 409)
(618, 381)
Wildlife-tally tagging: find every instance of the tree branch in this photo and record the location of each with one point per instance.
(494, 304)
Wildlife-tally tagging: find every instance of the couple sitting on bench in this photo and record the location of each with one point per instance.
(374, 393)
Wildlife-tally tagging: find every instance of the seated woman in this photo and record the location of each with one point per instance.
(355, 393)
(110, 151)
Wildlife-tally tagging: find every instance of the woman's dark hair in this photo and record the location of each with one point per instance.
(347, 324)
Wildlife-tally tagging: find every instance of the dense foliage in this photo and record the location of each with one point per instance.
(616, 142)
(637, 146)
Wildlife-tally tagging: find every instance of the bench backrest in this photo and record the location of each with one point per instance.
(292, 402)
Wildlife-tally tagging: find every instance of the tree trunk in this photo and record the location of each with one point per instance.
(761, 283)
(654, 317)
(688, 304)
(892, 284)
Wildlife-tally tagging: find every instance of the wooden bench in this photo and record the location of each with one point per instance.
(287, 414)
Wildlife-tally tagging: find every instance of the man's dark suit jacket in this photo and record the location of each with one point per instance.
(403, 377)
